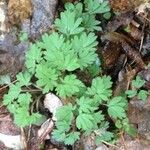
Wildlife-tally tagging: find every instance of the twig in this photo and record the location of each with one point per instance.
(23, 139)
(4, 87)
(142, 37)
(124, 145)
(109, 144)
(32, 90)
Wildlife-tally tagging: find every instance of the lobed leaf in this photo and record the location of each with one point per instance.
(117, 107)
(69, 86)
(47, 77)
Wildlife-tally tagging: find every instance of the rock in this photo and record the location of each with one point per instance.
(43, 16)
(12, 51)
(3, 7)
(18, 11)
(12, 55)
(52, 103)
(102, 147)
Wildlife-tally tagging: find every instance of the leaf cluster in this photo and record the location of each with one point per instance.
(85, 116)
(137, 90)
(18, 101)
(51, 65)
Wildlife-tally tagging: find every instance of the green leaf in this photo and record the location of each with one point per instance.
(47, 77)
(132, 131)
(58, 135)
(84, 121)
(98, 117)
(117, 107)
(22, 117)
(68, 24)
(84, 45)
(104, 136)
(24, 78)
(24, 99)
(71, 138)
(59, 53)
(33, 56)
(90, 23)
(69, 86)
(131, 93)
(64, 117)
(95, 6)
(64, 125)
(65, 113)
(52, 42)
(107, 15)
(143, 94)
(100, 88)
(138, 82)
(76, 8)
(85, 105)
(94, 69)
(118, 124)
(13, 93)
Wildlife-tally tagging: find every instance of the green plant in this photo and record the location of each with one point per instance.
(87, 116)
(52, 64)
(137, 84)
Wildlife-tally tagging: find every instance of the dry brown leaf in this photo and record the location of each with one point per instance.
(126, 5)
(126, 43)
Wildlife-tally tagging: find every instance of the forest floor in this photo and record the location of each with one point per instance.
(124, 47)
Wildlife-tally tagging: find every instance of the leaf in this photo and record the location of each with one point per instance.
(58, 135)
(33, 56)
(118, 124)
(68, 24)
(13, 93)
(85, 105)
(90, 23)
(65, 113)
(98, 117)
(131, 93)
(100, 88)
(52, 42)
(71, 138)
(59, 53)
(13, 107)
(71, 61)
(47, 77)
(69, 86)
(117, 107)
(94, 69)
(63, 125)
(76, 8)
(132, 131)
(24, 78)
(84, 121)
(107, 15)
(84, 45)
(24, 99)
(138, 82)
(22, 117)
(95, 6)
(143, 94)
(64, 117)
(104, 136)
